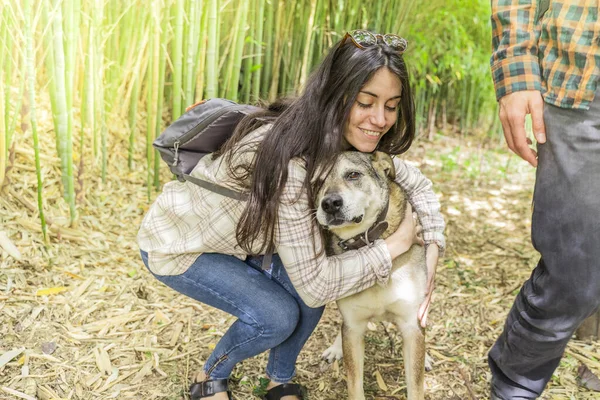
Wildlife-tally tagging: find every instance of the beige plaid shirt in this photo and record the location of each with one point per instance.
(187, 220)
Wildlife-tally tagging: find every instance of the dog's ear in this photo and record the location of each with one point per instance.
(383, 164)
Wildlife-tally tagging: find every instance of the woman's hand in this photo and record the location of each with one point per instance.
(431, 258)
(407, 234)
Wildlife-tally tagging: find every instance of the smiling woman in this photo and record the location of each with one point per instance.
(206, 246)
(374, 112)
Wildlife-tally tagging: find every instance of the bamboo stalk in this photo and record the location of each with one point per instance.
(30, 62)
(159, 103)
(247, 60)
(189, 66)
(293, 49)
(267, 70)
(212, 59)
(277, 53)
(72, 8)
(308, 44)
(50, 66)
(17, 106)
(227, 62)
(101, 133)
(88, 98)
(463, 108)
(152, 92)
(127, 60)
(6, 68)
(92, 75)
(322, 27)
(238, 46)
(379, 9)
(399, 23)
(3, 148)
(134, 99)
(132, 120)
(338, 19)
(176, 58)
(259, 18)
(63, 125)
(201, 73)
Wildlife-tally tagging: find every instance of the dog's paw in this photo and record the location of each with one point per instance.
(428, 362)
(333, 353)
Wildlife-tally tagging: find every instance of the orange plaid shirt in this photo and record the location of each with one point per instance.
(557, 52)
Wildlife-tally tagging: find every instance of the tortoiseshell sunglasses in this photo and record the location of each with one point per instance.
(362, 39)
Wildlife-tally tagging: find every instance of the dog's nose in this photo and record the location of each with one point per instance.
(332, 203)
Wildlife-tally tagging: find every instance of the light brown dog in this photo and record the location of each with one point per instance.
(358, 196)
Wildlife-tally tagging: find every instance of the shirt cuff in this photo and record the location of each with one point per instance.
(436, 238)
(515, 74)
(380, 261)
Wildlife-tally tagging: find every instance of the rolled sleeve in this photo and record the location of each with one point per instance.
(516, 74)
(515, 34)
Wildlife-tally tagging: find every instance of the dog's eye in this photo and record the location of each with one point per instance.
(353, 175)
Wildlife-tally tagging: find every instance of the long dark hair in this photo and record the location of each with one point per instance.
(311, 127)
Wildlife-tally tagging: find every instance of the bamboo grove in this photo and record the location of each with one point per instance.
(143, 61)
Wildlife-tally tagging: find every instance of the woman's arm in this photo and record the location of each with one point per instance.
(421, 195)
(321, 279)
(424, 201)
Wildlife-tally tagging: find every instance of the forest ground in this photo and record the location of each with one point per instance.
(107, 329)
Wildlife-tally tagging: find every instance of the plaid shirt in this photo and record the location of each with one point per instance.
(187, 220)
(558, 55)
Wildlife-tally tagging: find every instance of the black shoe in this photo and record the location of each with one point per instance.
(209, 387)
(287, 389)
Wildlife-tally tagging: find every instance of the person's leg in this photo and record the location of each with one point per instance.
(267, 313)
(281, 367)
(564, 288)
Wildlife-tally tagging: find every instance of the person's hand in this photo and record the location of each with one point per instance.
(431, 258)
(407, 234)
(513, 108)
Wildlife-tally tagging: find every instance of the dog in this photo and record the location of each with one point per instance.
(357, 201)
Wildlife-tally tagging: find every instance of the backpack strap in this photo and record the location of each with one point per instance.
(223, 191)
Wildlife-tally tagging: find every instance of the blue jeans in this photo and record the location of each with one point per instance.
(564, 288)
(271, 315)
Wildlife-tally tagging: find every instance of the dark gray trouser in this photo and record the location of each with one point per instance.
(564, 288)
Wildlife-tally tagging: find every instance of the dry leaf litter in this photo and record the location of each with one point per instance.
(83, 319)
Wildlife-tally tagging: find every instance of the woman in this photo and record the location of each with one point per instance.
(201, 243)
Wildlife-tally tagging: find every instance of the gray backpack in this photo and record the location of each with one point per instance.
(203, 129)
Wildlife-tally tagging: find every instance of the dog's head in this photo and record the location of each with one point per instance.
(354, 193)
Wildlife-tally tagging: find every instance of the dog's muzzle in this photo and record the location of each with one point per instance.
(332, 206)
(332, 203)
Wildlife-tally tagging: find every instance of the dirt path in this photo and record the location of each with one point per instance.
(111, 331)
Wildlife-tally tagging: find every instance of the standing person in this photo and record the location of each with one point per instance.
(546, 62)
(202, 244)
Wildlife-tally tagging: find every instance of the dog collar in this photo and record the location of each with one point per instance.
(370, 236)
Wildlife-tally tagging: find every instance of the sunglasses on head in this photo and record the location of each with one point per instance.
(363, 39)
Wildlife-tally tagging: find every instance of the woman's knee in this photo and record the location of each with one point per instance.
(279, 319)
